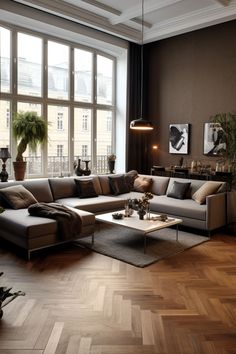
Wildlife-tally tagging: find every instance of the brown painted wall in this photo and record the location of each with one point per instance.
(190, 77)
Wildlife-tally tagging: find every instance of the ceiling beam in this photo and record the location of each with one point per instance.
(75, 13)
(135, 11)
(114, 11)
(104, 7)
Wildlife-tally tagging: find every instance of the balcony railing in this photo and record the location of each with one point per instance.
(59, 165)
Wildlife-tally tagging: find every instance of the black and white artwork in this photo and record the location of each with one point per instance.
(214, 139)
(178, 138)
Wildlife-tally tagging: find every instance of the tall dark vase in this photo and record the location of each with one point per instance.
(86, 171)
(78, 169)
(111, 166)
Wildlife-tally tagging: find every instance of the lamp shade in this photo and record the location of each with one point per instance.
(141, 124)
(4, 154)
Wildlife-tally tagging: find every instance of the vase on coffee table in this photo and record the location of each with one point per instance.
(141, 213)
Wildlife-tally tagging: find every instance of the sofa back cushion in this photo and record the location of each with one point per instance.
(40, 189)
(62, 187)
(159, 185)
(105, 185)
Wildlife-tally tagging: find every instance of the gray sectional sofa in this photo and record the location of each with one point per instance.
(32, 233)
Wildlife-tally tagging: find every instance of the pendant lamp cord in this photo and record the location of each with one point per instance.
(141, 79)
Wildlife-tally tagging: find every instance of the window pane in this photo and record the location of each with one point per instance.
(29, 67)
(33, 158)
(104, 140)
(104, 80)
(5, 53)
(82, 134)
(58, 70)
(5, 124)
(83, 76)
(58, 141)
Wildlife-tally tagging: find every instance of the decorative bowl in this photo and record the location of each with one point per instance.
(117, 216)
(163, 217)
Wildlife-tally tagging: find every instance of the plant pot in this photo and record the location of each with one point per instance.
(19, 170)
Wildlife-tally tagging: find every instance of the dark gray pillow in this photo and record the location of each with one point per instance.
(118, 184)
(85, 188)
(179, 190)
(17, 197)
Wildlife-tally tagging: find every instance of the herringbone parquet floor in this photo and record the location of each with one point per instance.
(78, 302)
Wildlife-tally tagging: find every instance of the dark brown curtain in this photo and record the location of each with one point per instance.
(138, 157)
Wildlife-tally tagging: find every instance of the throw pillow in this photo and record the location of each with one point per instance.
(85, 188)
(142, 184)
(179, 190)
(18, 197)
(130, 177)
(118, 184)
(206, 189)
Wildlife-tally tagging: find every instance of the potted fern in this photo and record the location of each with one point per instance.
(228, 124)
(30, 129)
(6, 296)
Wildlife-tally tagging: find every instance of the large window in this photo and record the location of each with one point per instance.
(29, 65)
(83, 75)
(104, 80)
(5, 62)
(58, 70)
(71, 87)
(58, 140)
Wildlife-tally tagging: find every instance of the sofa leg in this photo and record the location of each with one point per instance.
(92, 238)
(28, 255)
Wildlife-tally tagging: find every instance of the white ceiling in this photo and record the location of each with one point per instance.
(162, 18)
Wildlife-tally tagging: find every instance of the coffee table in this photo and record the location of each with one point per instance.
(146, 226)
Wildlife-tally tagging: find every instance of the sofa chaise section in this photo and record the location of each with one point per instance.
(31, 232)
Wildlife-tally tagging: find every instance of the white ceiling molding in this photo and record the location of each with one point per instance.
(163, 18)
(135, 11)
(194, 20)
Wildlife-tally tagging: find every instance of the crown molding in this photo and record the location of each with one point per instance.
(82, 16)
(208, 16)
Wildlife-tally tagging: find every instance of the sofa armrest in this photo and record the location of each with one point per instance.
(216, 211)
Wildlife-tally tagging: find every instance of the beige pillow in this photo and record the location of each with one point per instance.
(142, 184)
(18, 197)
(206, 189)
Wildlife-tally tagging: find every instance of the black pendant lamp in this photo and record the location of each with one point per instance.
(141, 123)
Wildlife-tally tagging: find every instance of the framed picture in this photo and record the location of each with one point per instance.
(214, 139)
(178, 138)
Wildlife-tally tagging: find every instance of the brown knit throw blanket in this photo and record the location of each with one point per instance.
(68, 221)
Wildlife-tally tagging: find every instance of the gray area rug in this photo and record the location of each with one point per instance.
(128, 245)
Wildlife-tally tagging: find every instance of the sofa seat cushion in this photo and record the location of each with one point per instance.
(100, 204)
(179, 207)
(24, 225)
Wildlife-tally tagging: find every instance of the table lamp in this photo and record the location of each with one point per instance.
(4, 155)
